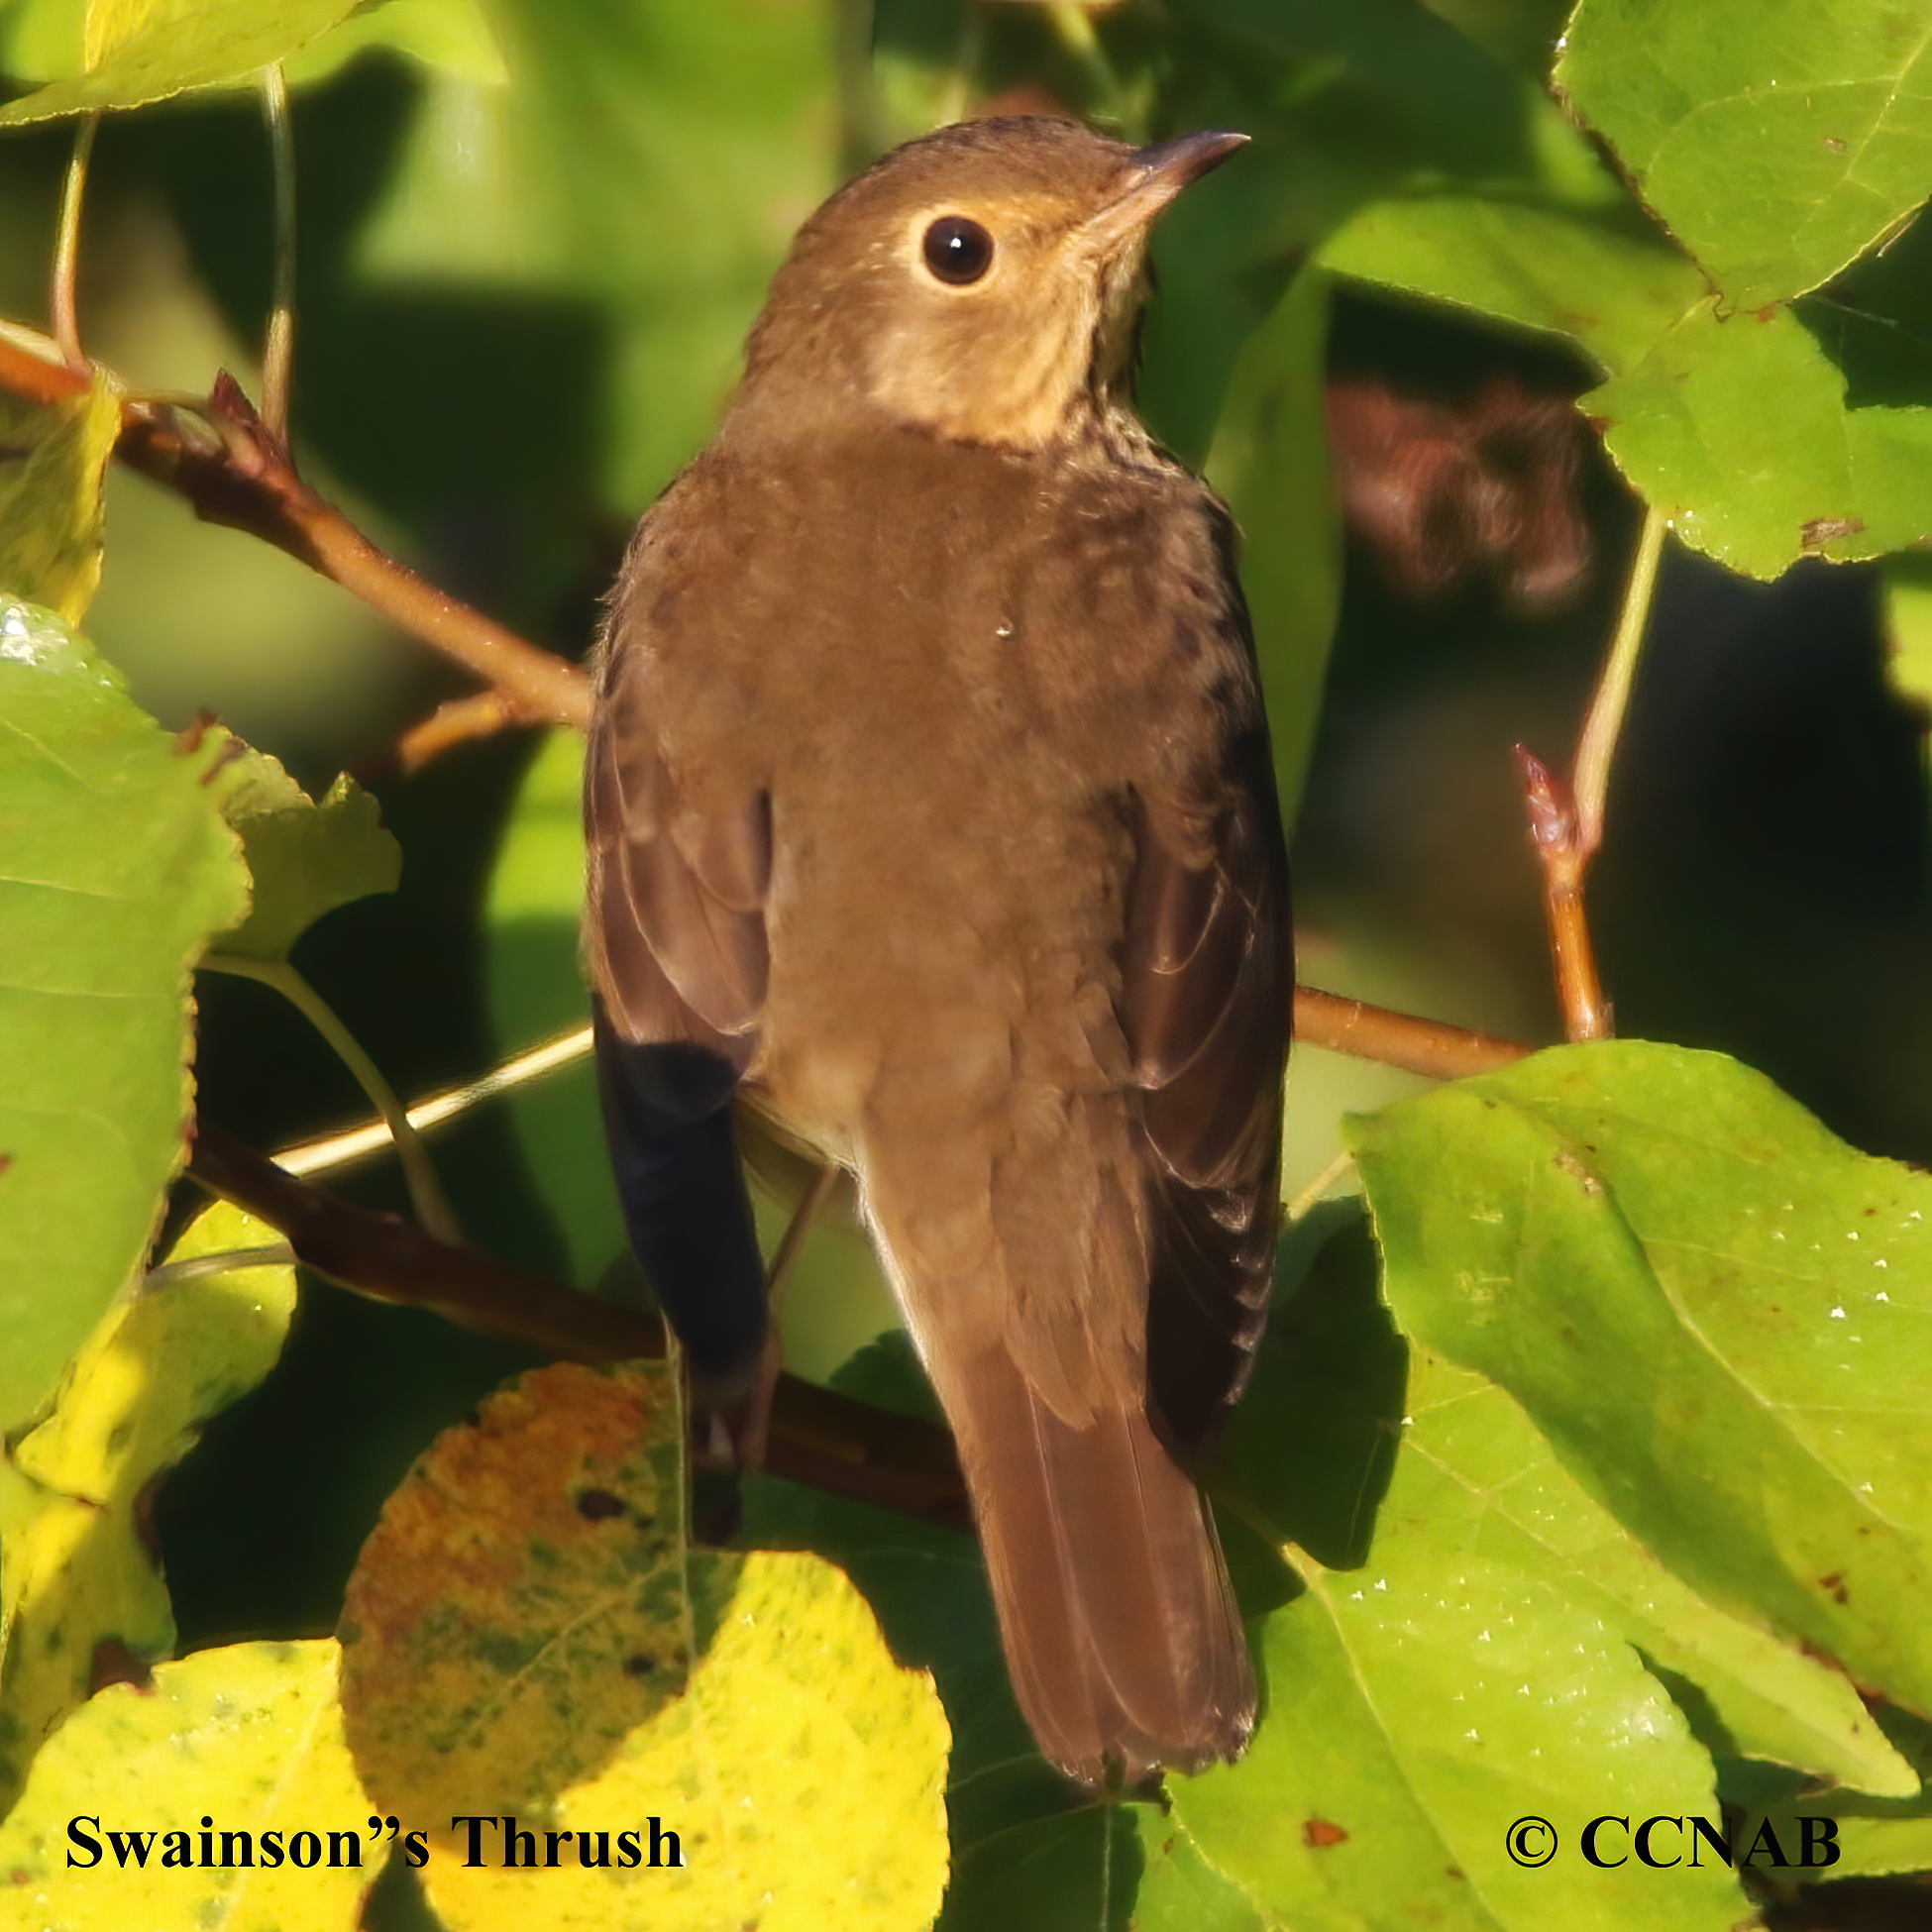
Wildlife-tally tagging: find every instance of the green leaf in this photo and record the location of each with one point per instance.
(527, 1631)
(1476, 1475)
(1588, 272)
(41, 40)
(1312, 1458)
(80, 1581)
(304, 859)
(1876, 1837)
(1382, 74)
(153, 50)
(1736, 428)
(1416, 1707)
(1180, 1891)
(118, 868)
(250, 1737)
(52, 459)
(1707, 1303)
(1074, 1868)
(1778, 140)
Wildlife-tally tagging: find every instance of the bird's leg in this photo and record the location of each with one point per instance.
(816, 1193)
(737, 1431)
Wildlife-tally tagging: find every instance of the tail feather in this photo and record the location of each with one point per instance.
(1119, 1626)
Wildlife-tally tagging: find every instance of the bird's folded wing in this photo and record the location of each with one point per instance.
(1206, 985)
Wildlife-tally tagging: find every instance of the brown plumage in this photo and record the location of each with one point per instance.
(929, 800)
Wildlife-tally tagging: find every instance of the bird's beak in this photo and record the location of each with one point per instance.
(1154, 175)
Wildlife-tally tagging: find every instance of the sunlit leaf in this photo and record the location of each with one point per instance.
(118, 868)
(450, 34)
(1417, 1708)
(80, 1593)
(1347, 1431)
(249, 1738)
(1597, 276)
(1736, 428)
(141, 51)
(1775, 139)
(528, 1632)
(1710, 1309)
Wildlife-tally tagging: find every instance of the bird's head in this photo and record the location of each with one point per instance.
(981, 283)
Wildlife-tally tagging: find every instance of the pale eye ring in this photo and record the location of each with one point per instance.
(957, 249)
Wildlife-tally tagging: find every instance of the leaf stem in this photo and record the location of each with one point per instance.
(418, 1172)
(231, 1260)
(1310, 1197)
(1591, 779)
(279, 345)
(66, 246)
(797, 1229)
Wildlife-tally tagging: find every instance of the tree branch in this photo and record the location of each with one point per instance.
(234, 469)
(818, 1437)
(1398, 1039)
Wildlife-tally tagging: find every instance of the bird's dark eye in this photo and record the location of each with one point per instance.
(958, 251)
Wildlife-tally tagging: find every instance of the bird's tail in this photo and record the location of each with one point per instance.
(1121, 1628)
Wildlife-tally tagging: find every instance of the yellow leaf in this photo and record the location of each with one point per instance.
(529, 1637)
(248, 1738)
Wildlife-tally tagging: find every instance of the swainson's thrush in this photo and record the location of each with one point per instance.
(929, 800)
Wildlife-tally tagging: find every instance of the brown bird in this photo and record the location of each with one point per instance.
(930, 807)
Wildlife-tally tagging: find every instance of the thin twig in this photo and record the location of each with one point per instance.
(66, 246)
(1429, 1047)
(336, 1152)
(231, 1260)
(460, 721)
(426, 1194)
(1397, 1039)
(818, 1437)
(279, 346)
(1554, 832)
